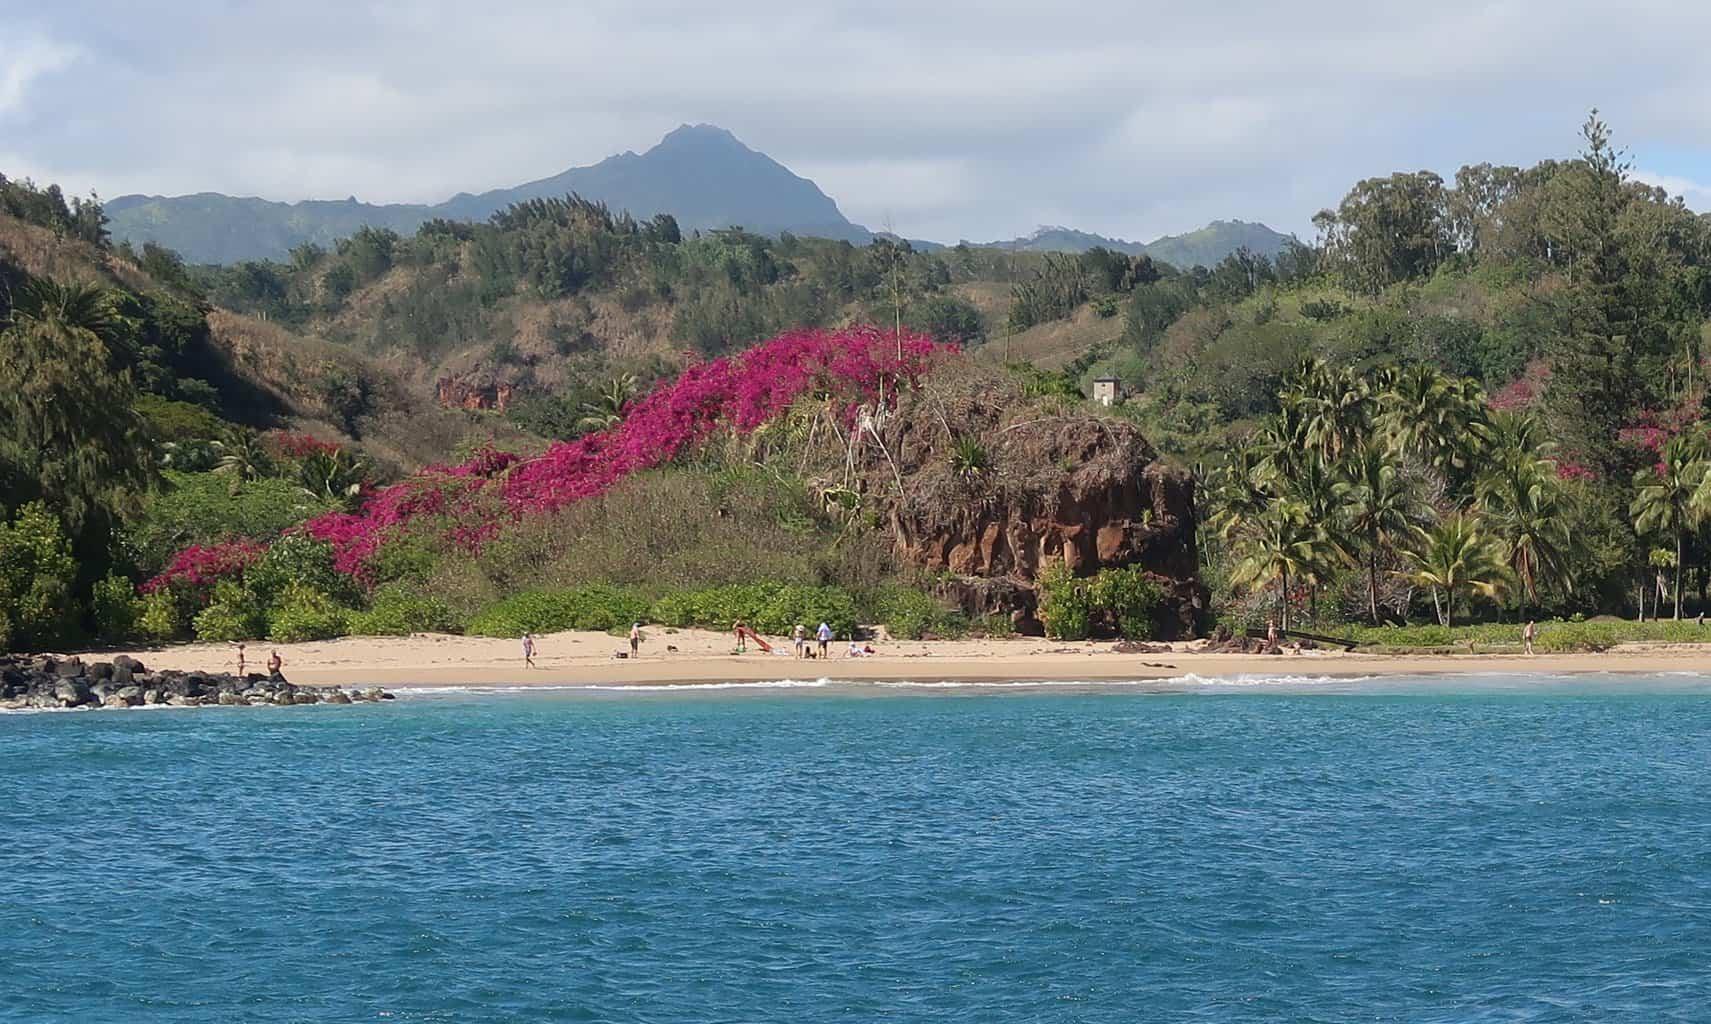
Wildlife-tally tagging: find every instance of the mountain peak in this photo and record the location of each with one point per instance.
(698, 135)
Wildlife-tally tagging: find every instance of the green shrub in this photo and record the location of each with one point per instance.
(304, 613)
(774, 608)
(1123, 602)
(1066, 603)
(597, 607)
(397, 610)
(1555, 636)
(910, 614)
(296, 560)
(160, 618)
(1127, 600)
(115, 608)
(37, 574)
(233, 614)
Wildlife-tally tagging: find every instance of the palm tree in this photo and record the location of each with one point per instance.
(243, 457)
(607, 410)
(1453, 556)
(1280, 544)
(1335, 407)
(1438, 419)
(1523, 502)
(1380, 506)
(1665, 501)
(1240, 491)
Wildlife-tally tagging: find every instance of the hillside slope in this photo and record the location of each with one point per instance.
(261, 374)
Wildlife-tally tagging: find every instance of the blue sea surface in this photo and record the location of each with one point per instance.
(1456, 850)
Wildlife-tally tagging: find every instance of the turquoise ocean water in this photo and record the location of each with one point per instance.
(1478, 849)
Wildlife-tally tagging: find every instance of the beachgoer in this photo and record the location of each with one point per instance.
(1271, 636)
(635, 640)
(824, 635)
(1528, 634)
(529, 649)
(855, 650)
(742, 629)
(240, 659)
(274, 664)
(799, 636)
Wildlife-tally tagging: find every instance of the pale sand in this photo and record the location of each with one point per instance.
(581, 658)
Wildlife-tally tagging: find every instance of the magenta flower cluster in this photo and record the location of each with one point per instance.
(198, 567)
(738, 393)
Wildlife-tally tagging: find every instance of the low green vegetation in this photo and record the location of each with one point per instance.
(1555, 636)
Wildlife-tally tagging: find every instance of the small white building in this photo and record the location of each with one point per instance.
(1108, 391)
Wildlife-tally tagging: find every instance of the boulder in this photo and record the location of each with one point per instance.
(113, 700)
(98, 671)
(338, 697)
(72, 692)
(125, 661)
(229, 699)
(123, 675)
(304, 697)
(69, 668)
(154, 697)
(131, 695)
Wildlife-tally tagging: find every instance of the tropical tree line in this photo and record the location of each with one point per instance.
(1393, 487)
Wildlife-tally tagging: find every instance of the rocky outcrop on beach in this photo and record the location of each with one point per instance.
(51, 683)
(985, 487)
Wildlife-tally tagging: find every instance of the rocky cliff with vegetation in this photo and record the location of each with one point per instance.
(986, 483)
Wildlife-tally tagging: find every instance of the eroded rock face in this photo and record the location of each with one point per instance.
(984, 490)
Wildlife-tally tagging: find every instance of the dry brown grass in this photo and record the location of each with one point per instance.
(1051, 346)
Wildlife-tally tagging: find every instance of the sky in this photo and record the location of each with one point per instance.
(943, 120)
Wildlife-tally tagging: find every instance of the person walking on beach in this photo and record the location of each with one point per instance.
(1529, 633)
(824, 635)
(635, 640)
(529, 649)
(799, 636)
(274, 664)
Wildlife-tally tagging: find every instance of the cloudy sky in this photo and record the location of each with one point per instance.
(939, 120)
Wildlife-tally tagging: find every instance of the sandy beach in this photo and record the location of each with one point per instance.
(696, 656)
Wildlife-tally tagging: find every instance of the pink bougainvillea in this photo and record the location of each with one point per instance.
(198, 567)
(738, 393)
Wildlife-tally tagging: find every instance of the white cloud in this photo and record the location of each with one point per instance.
(955, 119)
(25, 58)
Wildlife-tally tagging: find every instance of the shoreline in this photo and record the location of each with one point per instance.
(427, 661)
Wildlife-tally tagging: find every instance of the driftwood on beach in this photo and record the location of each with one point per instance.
(49, 683)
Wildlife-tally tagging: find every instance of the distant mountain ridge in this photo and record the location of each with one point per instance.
(1204, 247)
(701, 174)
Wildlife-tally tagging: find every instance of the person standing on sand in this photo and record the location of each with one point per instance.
(799, 636)
(824, 635)
(240, 660)
(742, 630)
(1529, 633)
(1271, 636)
(529, 649)
(635, 640)
(274, 664)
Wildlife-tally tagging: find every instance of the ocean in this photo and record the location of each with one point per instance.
(1455, 850)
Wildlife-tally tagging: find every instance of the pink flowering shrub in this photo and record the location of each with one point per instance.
(738, 393)
(287, 445)
(196, 569)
